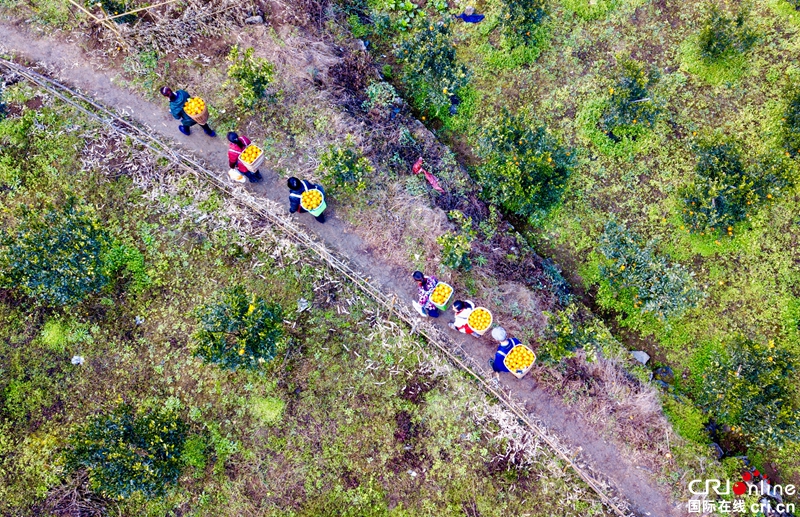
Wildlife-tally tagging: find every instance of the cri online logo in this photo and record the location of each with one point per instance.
(703, 487)
(740, 488)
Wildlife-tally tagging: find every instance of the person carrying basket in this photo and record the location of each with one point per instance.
(425, 287)
(237, 145)
(505, 345)
(462, 310)
(305, 196)
(177, 103)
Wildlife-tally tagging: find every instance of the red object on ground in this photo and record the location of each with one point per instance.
(417, 168)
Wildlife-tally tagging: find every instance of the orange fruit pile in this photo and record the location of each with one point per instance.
(519, 358)
(194, 106)
(480, 319)
(250, 154)
(441, 293)
(311, 199)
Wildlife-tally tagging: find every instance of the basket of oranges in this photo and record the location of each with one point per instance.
(196, 108)
(252, 157)
(519, 360)
(441, 295)
(313, 201)
(480, 320)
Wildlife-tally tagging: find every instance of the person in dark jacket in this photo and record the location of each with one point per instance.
(505, 345)
(296, 189)
(176, 102)
(425, 287)
(237, 145)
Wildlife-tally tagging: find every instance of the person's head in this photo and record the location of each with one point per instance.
(233, 138)
(166, 92)
(419, 277)
(458, 305)
(293, 183)
(499, 334)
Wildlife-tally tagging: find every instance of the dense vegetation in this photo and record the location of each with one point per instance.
(302, 400)
(679, 208)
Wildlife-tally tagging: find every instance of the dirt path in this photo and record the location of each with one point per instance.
(68, 63)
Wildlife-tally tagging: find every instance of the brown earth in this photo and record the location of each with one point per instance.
(65, 61)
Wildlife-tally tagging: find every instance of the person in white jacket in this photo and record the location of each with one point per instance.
(462, 310)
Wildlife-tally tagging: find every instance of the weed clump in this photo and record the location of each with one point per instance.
(525, 168)
(724, 35)
(126, 453)
(239, 331)
(631, 106)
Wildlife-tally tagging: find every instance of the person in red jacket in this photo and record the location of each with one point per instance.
(237, 145)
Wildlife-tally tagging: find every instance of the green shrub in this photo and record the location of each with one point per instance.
(791, 125)
(252, 75)
(521, 19)
(267, 410)
(750, 387)
(55, 256)
(380, 95)
(194, 452)
(430, 68)
(687, 420)
(344, 169)
(727, 191)
(126, 453)
(525, 169)
(456, 246)
(401, 13)
(724, 35)
(455, 250)
(567, 332)
(661, 288)
(630, 107)
(239, 331)
(128, 261)
(113, 8)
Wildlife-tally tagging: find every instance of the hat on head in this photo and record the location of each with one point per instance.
(499, 334)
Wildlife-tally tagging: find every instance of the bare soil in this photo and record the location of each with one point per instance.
(68, 63)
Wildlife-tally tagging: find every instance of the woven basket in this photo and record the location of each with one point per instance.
(201, 118)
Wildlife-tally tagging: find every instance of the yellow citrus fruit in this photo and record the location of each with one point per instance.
(311, 199)
(519, 358)
(441, 293)
(480, 319)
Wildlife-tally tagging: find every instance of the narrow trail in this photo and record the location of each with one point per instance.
(565, 431)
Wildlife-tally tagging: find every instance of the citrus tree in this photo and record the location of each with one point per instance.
(723, 34)
(525, 169)
(660, 287)
(631, 105)
(749, 385)
(431, 71)
(239, 331)
(251, 74)
(521, 19)
(124, 452)
(55, 255)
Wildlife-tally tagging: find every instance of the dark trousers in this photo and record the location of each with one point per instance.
(433, 313)
(205, 126)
